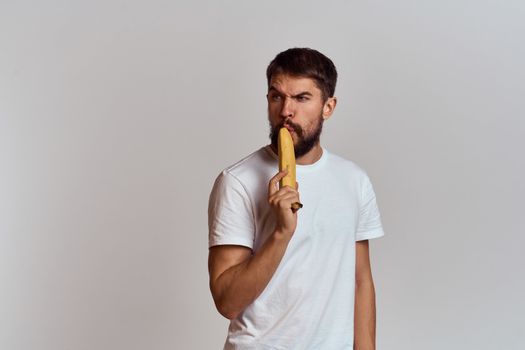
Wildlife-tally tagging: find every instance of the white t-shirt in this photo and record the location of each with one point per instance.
(309, 302)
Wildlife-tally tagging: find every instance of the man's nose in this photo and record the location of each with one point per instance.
(287, 109)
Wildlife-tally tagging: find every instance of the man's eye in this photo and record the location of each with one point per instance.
(302, 98)
(275, 98)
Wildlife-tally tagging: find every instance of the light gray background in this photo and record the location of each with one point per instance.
(116, 117)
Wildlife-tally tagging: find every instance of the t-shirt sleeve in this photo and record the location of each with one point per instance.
(369, 219)
(230, 214)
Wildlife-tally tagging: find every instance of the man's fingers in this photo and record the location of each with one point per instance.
(283, 191)
(273, 186)
(284, 198)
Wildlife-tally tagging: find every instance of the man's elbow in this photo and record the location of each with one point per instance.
(230, 315)
(223, 304)
(226, 310)
(365, 281)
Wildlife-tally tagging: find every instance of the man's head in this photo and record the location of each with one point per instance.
(306, 63)
(301, 86)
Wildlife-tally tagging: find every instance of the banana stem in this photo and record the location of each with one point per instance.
(296, 206)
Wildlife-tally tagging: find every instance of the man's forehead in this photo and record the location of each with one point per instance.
(293, 84)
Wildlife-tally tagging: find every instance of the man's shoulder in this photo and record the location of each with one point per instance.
(258, 163)
(257, 158)
(253, 162)
(344, 164)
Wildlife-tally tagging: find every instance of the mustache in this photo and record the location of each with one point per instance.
(294, 126)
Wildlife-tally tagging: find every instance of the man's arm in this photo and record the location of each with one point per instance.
(238, 277)
(365, 308)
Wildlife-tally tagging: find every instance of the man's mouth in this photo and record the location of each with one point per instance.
(290, 128)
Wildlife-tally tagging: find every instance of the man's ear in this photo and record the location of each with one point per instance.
(329, 107)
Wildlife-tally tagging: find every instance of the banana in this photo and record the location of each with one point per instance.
(287, 161)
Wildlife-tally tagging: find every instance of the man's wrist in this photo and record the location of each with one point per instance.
(282, 235)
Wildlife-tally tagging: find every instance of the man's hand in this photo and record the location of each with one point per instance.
(281, 201)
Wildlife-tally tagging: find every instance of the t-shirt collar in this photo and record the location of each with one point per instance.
(301, 168)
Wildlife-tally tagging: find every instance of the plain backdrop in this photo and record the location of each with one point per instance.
(116, 117)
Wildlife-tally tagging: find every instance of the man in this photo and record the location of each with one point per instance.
(287, 279)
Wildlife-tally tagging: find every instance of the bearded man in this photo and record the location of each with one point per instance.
(292, 279)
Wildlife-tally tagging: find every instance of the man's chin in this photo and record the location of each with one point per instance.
(301, 150)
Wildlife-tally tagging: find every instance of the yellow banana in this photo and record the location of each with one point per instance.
(287, 161)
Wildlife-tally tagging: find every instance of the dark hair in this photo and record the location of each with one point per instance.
(305, 62)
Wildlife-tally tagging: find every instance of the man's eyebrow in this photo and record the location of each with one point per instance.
(303, 93)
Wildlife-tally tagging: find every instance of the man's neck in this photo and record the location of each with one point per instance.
(309, 158)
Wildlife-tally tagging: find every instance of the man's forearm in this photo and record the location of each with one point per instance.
(241, 284)
(364, 316)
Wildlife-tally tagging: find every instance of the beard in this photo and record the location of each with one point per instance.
(305, 141)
